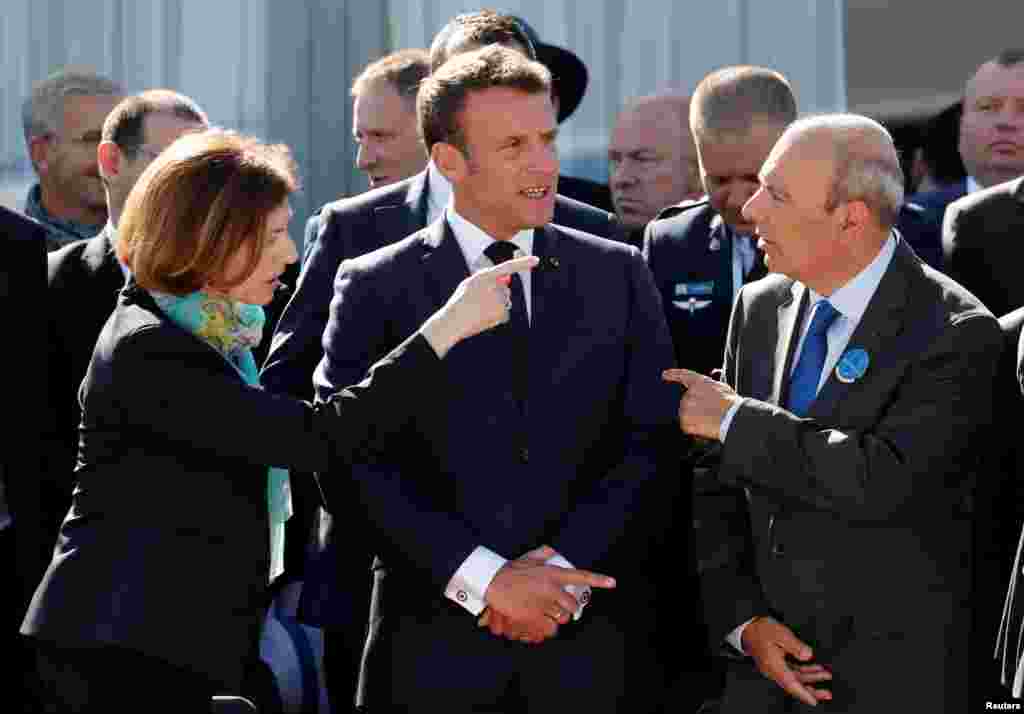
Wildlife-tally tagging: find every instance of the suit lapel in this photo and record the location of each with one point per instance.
(405, 218)
(882, 321)
(549, 279)
(443, 262)
(790, 312)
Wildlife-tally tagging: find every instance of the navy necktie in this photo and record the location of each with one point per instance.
(517, 330)
(803, 387)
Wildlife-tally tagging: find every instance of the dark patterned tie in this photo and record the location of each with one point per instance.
(803, 388)
(517, 330)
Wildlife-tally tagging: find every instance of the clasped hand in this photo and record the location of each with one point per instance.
(527, 600)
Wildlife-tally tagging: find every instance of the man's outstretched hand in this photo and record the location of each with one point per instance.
(768, 642)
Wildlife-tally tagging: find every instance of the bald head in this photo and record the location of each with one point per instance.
(829, 193)
(652, 157)
(865, 163)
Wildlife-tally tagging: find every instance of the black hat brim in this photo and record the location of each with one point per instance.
(569, 75)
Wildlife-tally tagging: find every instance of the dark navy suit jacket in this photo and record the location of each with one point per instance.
(350, 227)
(575, 468)
(935, 202)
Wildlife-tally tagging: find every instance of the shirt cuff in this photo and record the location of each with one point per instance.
(723, 428)
(469, 584)
(581, 593)
(735, 638)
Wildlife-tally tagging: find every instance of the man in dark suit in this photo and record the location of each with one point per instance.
(981, 234)
(553, 438)
(991, 139)
(857, 385)
(701, 253)
(345, 229)
(84, 278)
(997, 528)
(26, 540)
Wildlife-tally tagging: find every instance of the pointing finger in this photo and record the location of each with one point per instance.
(527, 262)
(681, 376)
(566, 576)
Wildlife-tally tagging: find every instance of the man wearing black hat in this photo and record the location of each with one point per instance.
(569, 76)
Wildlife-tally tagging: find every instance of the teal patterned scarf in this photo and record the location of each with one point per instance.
(233, 329)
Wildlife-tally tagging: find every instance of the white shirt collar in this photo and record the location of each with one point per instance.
(474, 241)
(439, 191)
(851, 300)
(972, 185)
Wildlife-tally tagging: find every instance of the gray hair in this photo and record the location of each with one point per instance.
(42, 112)
(867, 166)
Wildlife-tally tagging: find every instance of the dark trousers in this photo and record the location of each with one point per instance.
(111, 679)
(444, 662)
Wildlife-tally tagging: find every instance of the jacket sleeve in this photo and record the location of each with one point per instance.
(164, 383)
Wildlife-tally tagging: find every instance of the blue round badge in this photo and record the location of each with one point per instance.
(852, 365)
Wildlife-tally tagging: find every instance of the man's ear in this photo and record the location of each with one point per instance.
(450, 161)
(108, 157)
(38, 151)
(857, 215)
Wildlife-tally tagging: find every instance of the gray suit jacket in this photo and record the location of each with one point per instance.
(860, 535)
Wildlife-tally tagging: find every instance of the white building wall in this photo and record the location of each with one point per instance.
(281, 69)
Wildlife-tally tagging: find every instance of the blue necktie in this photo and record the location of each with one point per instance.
(803, 388)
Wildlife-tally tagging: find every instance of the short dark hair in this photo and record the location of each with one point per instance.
(1009, 57)
(478, 29)
(731, 99)
(124, 124)
(403, 70)
(443, 94)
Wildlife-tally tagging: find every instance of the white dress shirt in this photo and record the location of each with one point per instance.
(850, 301)
(439, 192)
(471, 580)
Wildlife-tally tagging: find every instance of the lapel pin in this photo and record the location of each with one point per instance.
(852, 365)
(553, 263)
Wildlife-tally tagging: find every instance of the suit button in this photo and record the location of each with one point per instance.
(461, 596)
(524, 455)
(778, 550)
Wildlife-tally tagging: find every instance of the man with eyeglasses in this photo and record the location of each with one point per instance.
(62, 121)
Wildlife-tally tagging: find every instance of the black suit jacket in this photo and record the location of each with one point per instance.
(861, 537)
(23, 463)
(982, 240)
(999, 520)
(25, 543)
(166, 417)
(83, 280)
